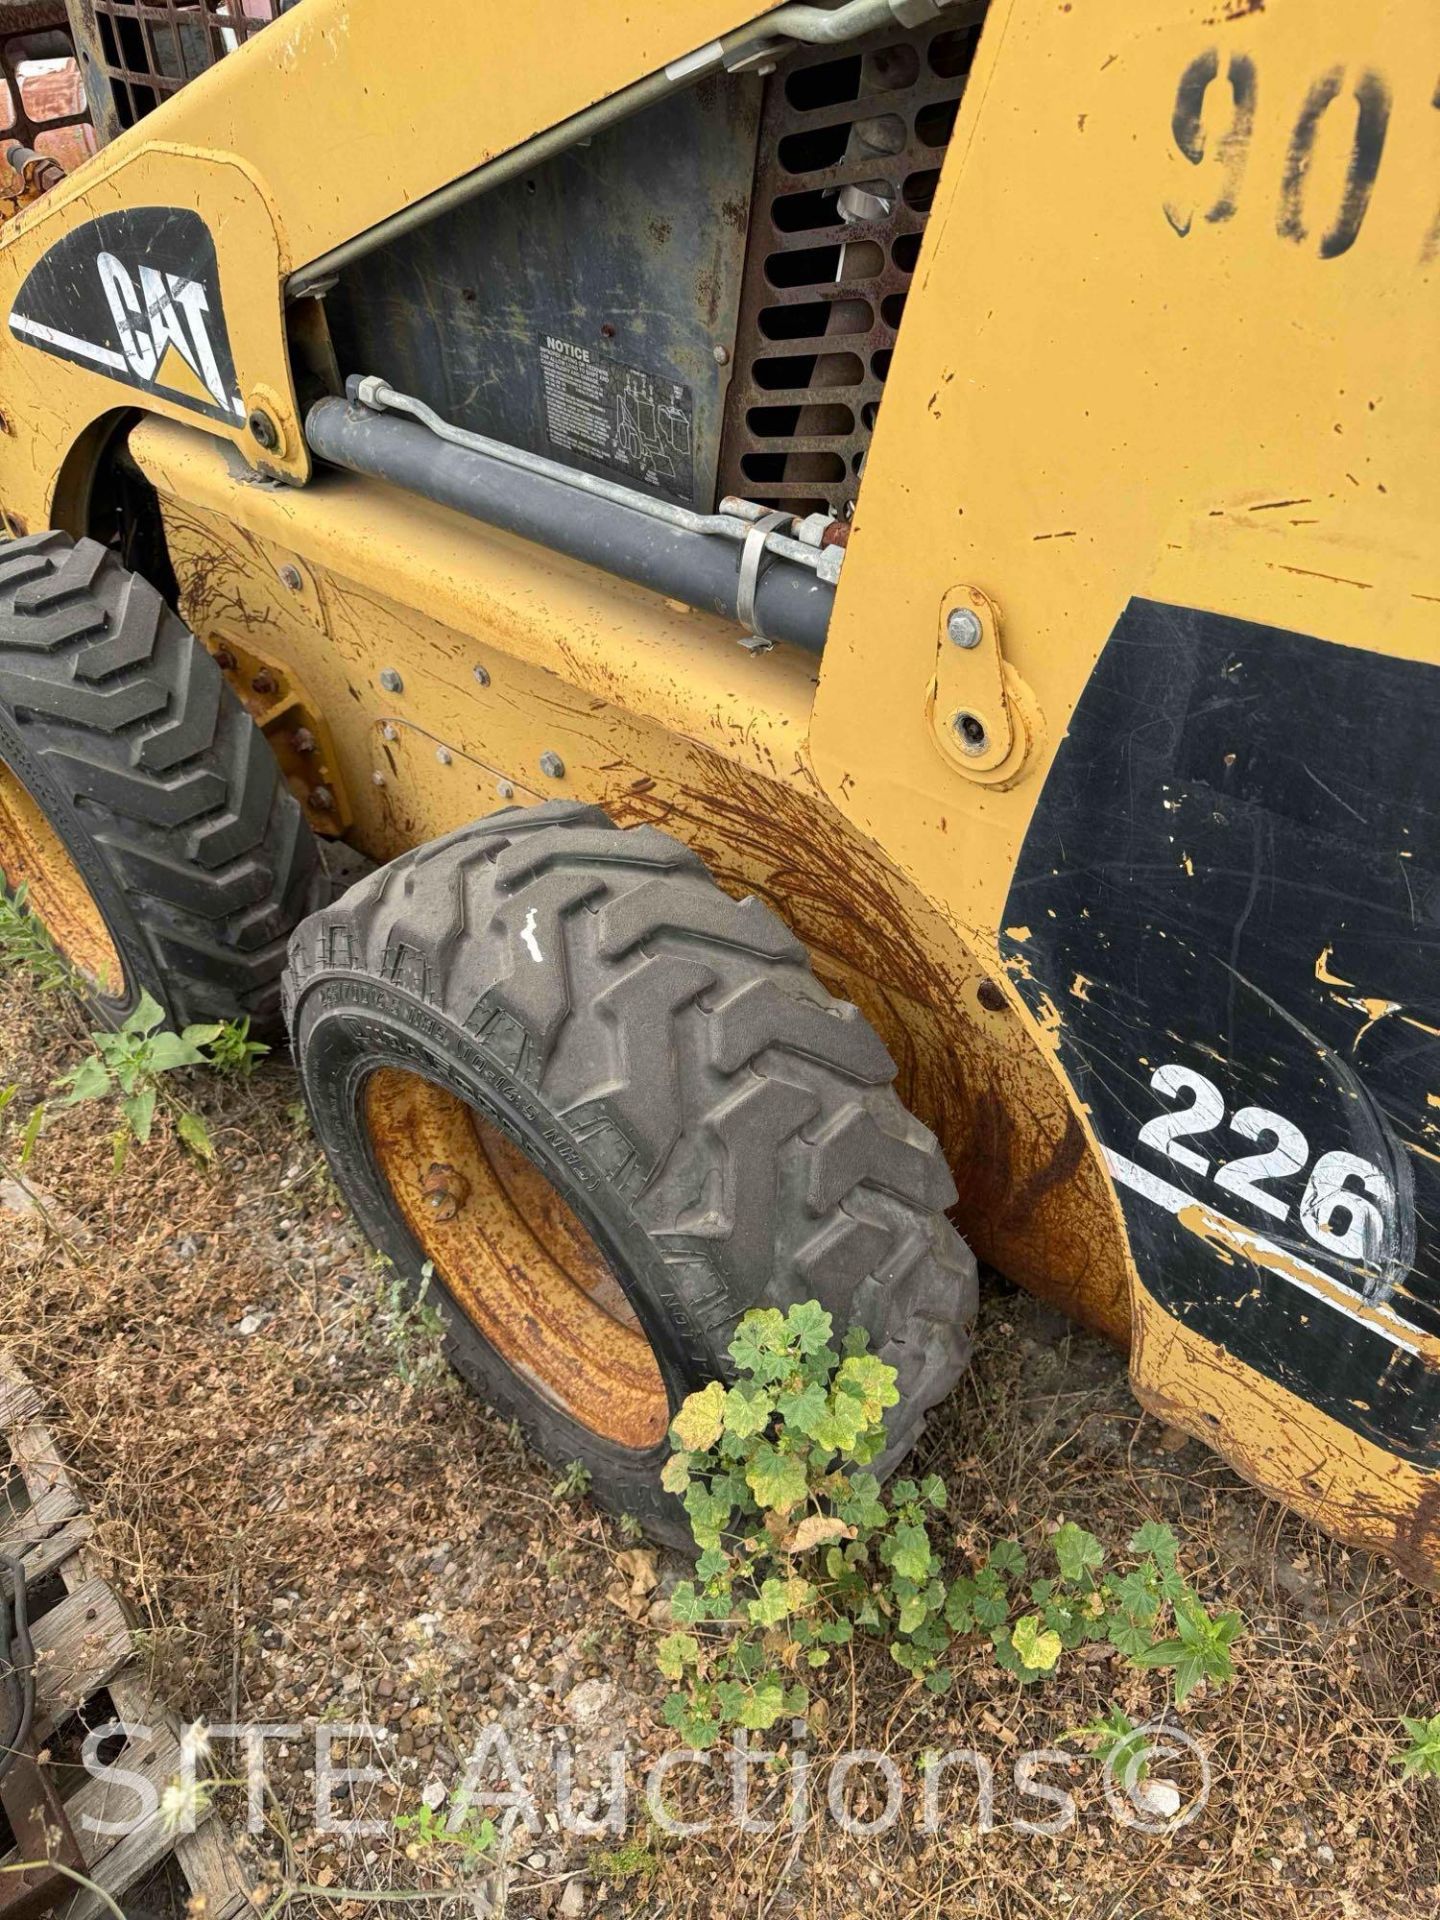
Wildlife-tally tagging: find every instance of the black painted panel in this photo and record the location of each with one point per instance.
(1234, 873)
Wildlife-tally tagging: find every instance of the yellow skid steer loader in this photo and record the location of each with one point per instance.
(868, 574)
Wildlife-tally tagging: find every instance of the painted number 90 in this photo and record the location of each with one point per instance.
(1347, 1203)
(1215, 118)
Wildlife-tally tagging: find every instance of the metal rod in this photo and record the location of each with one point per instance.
(768, 36)
(522, 497)
(735, 521)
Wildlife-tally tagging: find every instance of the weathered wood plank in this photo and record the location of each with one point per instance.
(51, 1554)
(79, 1646)
(24, 1528)
(116, 1861)
(213, 1869)
(38, 1459)
(19, 1402)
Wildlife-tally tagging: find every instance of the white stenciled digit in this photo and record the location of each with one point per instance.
(1166, 1130)
(1341, 1219)
(1288, 1155)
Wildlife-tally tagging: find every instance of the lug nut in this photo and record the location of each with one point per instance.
(552, 766)
(224, 659)
(264, 681)
(303, 740)
(964, 628)
(322, 800)
(391, 681)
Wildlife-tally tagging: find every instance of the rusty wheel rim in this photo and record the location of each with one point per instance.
(516, 1259)
(33, 856)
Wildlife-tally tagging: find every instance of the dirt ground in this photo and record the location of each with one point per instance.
(314, 1523)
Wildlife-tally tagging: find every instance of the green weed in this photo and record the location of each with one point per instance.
(26, 947)
(1422, 1757)
(800, 1549)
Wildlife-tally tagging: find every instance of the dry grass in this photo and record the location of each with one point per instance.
(303, 1534)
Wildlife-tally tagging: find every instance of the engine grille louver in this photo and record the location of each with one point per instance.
(851, 143)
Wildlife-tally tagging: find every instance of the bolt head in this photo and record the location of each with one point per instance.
(391, 682)
(290, 577)
(552, 766)
(722, 356)
(263, 430)
(969, 730)
(482, 676)
(387, 732)
(322, 799)
(377, 779)
(444, 756)
(964, 627)
(506, 789)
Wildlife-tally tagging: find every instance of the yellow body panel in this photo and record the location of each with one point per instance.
(1123, 372)
(657, 716)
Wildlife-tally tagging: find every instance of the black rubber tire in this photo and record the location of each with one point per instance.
(725, 1128)
(157, 781)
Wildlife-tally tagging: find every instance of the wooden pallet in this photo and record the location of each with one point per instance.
(84, 1643)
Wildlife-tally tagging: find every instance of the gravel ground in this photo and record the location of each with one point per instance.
(315, 1525)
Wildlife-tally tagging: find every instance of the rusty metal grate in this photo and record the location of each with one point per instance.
(850, 149)
(149, 49)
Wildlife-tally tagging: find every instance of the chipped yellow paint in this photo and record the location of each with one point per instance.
(1080, 987)
(1231, 1241)
(1341, 1480)
(1323, 973)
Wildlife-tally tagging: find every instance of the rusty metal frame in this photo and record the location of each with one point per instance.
(43, 1834)
(150, 49)
(20, 25)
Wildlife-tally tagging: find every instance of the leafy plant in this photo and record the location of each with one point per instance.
(29, 1133)
(472, 1838)
(800, 1549)
(1118, 1743)
(26, 947)
(627, 1861)
(574, 1482)
(128, 1065)
(1084, 1603)
(232, 1051)
(412, 1327)
(1422, 1756)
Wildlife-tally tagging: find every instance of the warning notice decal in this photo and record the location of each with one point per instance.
(618, 416)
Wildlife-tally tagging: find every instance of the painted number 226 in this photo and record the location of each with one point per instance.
(1347, 1203)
